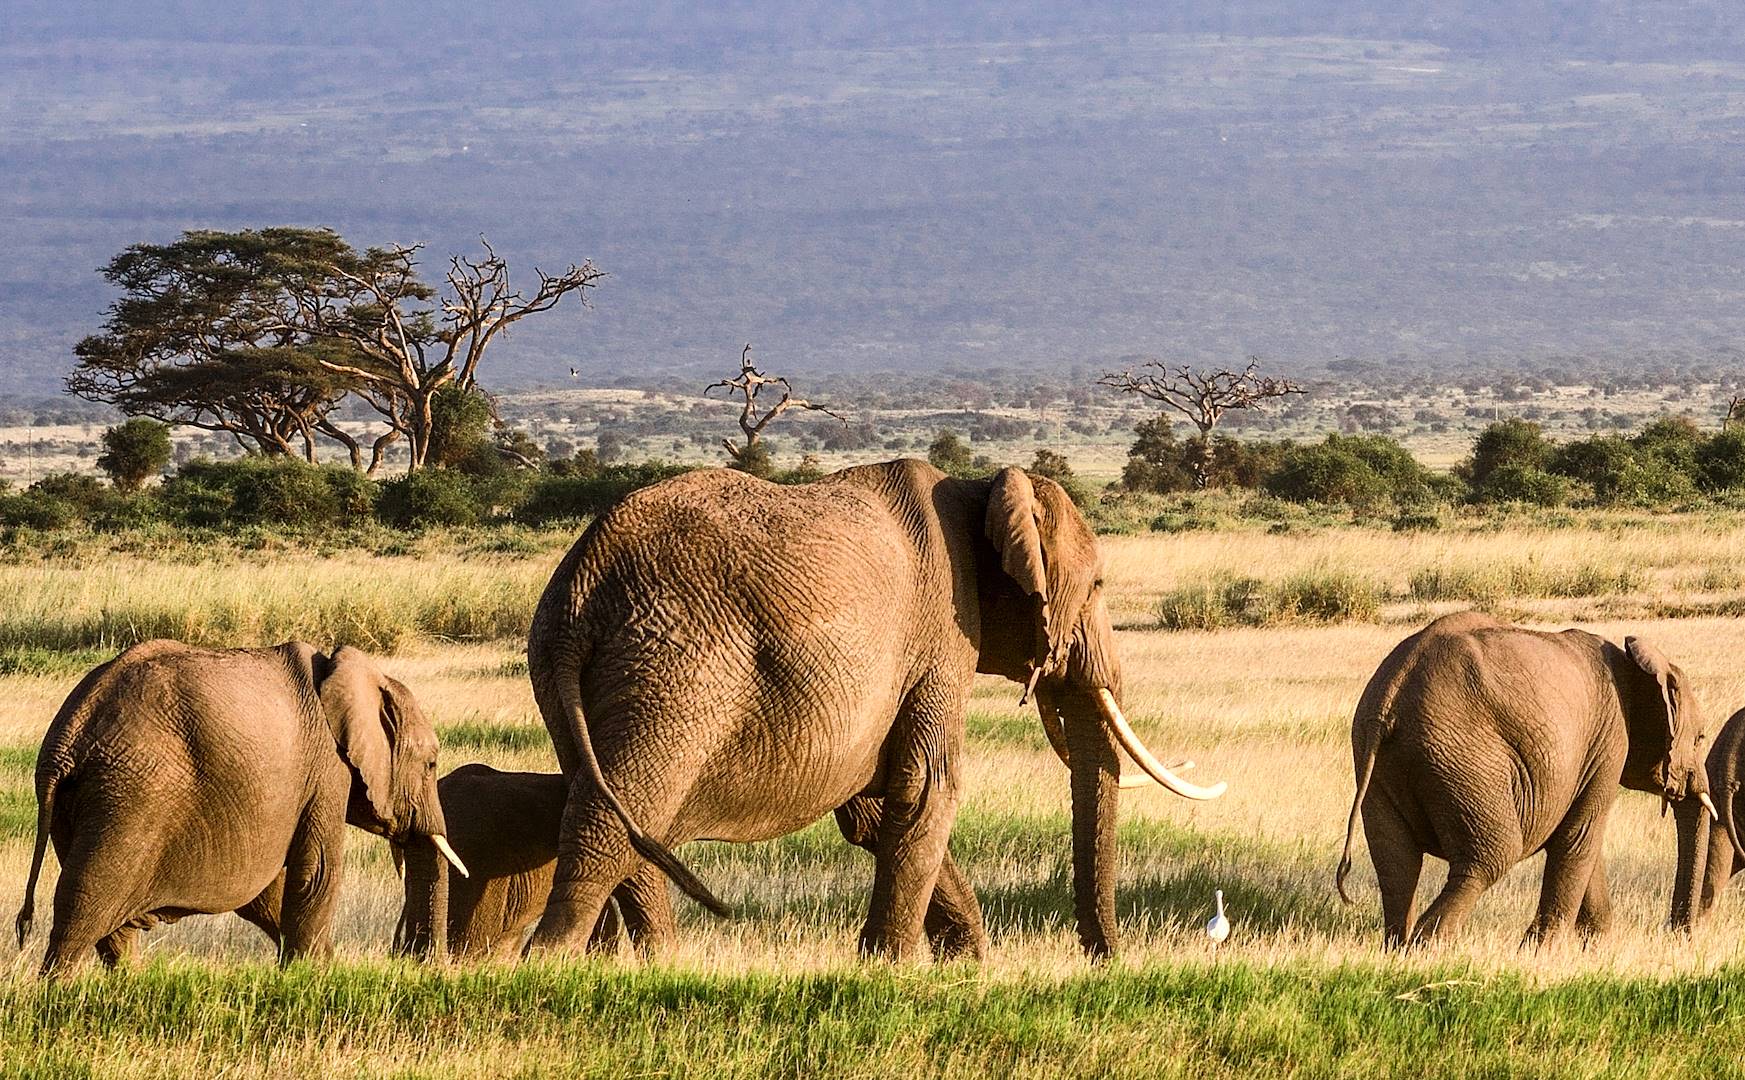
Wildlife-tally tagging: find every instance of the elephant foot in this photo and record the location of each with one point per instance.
(959, 946)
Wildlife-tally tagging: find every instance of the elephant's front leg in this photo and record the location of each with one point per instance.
(920, 804)
(1595, 917)
(313, 868)
(954, 919)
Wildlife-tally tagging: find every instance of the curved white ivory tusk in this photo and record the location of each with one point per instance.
(1129, 741)
(399, 854)
(1709, 805)
(441, 843)
(1129, 781)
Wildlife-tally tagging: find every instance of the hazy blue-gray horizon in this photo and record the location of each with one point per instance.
(921, 186)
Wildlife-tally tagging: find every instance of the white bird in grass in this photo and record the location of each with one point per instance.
(1218, 927)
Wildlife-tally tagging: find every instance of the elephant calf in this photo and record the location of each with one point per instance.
(1710, 854)
(1482, 743)
(177, 781)
(504, 826)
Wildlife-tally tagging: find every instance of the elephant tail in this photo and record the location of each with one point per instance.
(45, 803)
(569, 686)
(1373, 736)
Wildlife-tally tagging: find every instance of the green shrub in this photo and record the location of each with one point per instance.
(276, 491)
(1531, 579)
(1720, 461)
(133, 451)
(589, 494)
(428, 497)
(1625, 472)
(1360, 471)
(1512, 444)
(1316, 597)
(1520, 483)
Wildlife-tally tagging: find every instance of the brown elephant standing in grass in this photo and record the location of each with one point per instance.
(722, 657)
(1482, 743)
(504, 826)
(177, 781)
(1710, 852)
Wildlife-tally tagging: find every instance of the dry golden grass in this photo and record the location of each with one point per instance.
(1267, 710)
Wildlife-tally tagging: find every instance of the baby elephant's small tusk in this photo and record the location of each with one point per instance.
(441, 843)
(1709, 805)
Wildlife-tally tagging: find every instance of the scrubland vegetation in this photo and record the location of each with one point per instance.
(1302, 985)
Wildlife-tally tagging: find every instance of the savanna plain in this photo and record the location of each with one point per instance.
(1245, 650)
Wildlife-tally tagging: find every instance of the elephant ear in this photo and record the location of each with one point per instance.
(1014, 527)
(355, 701)
(1655, 663)
(1046, 548)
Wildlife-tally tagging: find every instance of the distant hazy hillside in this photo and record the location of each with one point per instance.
(921, 184)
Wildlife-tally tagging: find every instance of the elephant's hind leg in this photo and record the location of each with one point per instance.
(1467, 881)
(647, 905)
(1595, 917)
(594, 857)
(1398, 861)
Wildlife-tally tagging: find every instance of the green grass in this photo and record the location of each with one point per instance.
(598, 1019)
(474, 737)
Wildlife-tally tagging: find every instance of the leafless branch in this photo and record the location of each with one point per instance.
(752, 419)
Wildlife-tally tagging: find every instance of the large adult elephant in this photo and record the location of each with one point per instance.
(177, 780)
(1710, 851)
(722, 657)
(1482, 743)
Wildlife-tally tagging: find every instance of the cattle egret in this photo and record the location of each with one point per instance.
(1218, 928)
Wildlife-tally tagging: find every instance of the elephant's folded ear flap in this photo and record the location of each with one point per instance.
(352, 700)
(1013, 528)
(1655, 663)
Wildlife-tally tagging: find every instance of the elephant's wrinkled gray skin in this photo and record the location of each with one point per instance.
(1709, 852)
(1482, 743)
(504, 826)
(177, 781)
(749, 656)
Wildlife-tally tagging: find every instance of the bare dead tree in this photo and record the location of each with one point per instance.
(1202, 396)
(405, 350)
(753, 417)
(1735, 412)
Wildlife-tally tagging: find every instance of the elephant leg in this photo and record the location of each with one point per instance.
(120, 947)
(1595, 917)
(1723, 863)
(263, 910)
(647, 906)
(94, 899)
(920, 804)
(1467, 881)
(313, 869)
(1398, 861)
(1571, 856)
(594, 858)
(953, 922)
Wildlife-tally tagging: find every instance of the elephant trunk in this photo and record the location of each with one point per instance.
(424, 915)
(1694, 824)
(1095, 766)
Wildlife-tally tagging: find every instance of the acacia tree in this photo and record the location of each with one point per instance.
(1202, 396)
(401, 342)
(197, 338)
(262, 333)
(751, 456)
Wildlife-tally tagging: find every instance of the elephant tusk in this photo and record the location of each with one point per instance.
(1709, 805)
(1056, 736)
(441, 843)
(1129, 781)
(1130, 742)
(399, 854)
